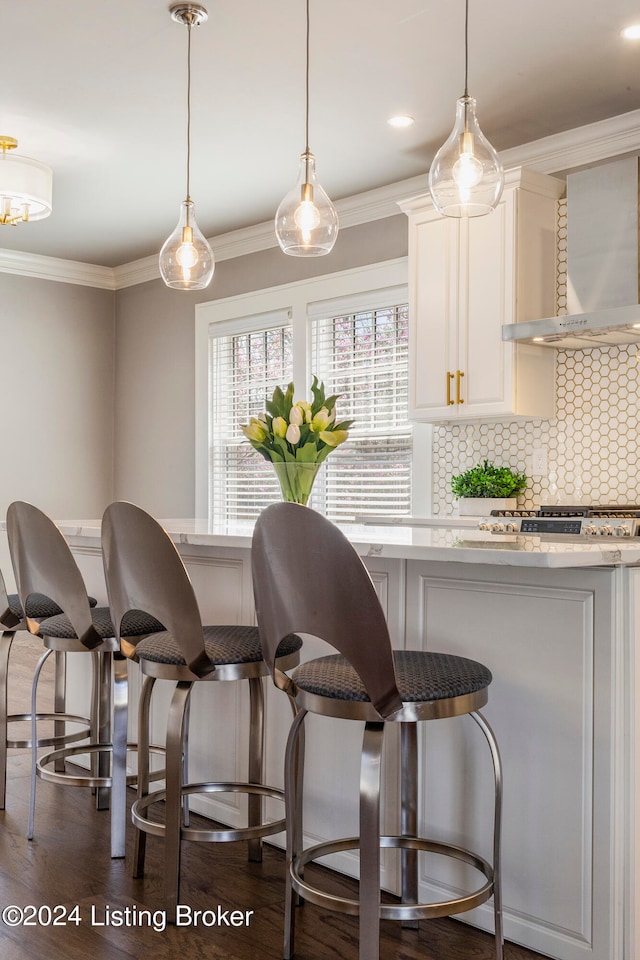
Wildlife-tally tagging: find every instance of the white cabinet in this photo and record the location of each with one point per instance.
(466, 279)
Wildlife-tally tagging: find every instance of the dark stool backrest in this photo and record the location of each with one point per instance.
(144, 571)
(307, 578)
(43, 563)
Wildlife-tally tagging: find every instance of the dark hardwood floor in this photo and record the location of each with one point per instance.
(68, 865)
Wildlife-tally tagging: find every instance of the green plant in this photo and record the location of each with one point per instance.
(486, 480)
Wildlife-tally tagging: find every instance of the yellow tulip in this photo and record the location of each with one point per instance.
(279, 426)
(255, 430)
(321, 420)
(333, 438)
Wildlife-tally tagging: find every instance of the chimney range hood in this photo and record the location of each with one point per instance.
(603, 257)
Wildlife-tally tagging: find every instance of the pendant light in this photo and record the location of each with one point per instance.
(306, 220)
(466, 177)
(186, 259)
(25, 186)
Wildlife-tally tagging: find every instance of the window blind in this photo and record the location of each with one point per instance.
(246, 362)
(363, 356)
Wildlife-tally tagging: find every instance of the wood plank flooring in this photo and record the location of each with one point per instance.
(68, 864)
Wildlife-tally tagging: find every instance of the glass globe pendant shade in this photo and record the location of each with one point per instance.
(306, 220)
(466, 177)
(186, 259)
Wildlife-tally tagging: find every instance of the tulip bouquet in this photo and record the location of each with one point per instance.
(297, 437)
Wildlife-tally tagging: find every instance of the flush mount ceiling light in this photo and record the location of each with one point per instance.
(466, 177)
(186, 259)
(400, 121)
(632, 32)
(306, 220)
(25, 186)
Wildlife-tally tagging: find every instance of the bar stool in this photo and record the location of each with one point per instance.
(44, 564)
(369, 682)
(144, 571)
(12, 621)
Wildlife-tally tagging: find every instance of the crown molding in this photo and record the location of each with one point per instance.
(52, 268)
(558, 153)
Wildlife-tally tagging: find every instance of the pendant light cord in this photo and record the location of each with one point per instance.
(466, 48)
(306, 109)
(188, 110)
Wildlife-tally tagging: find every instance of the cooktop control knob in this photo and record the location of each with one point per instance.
(484, 525)
(511, 528)
(497, 527)
(590, 529)
(606, 530)
(622, 530)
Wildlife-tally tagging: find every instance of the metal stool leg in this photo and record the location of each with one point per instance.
(59, 699)
(293, 780)
(186, 813)
(119, 757)
(34, 740)
(256, 763)
(370, 841)
(409, 814)
(5, 648)
(497, 829)
(140, 839)
(103, 794)
(173, 805)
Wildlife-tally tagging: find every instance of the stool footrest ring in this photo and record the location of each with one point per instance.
(143, 823)
(72, 779)
(399, 911)
(54, 739)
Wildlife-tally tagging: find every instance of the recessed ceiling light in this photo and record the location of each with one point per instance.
(400, 121)
(632, 32)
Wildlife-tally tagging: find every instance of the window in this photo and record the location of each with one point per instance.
(363, 356)
(351, 330)
(245, 366)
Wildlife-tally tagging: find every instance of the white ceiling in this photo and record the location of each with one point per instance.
(97, 89)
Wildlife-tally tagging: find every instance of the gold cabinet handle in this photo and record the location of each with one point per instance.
(459, 376)
(449, 378)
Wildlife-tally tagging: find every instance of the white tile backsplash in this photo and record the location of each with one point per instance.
(592, 443)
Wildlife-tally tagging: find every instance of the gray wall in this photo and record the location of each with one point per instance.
(155, 386)
(57, 348)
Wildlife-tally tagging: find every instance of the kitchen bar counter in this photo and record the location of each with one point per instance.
(557, 623)
(427, 540)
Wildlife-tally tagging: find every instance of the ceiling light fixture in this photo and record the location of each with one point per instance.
(400, 121)
(466, 177)
(632, 32)
(186, 259)
(25, 186)
(306, 220)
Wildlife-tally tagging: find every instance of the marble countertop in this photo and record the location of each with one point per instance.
(427, 539)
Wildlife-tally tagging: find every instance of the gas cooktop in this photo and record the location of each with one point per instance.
(619, 521)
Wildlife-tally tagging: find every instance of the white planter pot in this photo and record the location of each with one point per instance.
(482, 506)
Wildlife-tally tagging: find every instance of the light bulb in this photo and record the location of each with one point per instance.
(306, 220)
(186, 259)
(467, 171)
(466, 177)
(186, 254)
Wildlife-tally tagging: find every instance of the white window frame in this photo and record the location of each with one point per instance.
(299, 300)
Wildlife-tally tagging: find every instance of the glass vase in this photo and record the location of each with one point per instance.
(296, 480)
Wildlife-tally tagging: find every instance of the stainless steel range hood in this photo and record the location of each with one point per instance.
(603, 258)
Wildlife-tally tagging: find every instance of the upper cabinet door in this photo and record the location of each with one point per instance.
(466, 279)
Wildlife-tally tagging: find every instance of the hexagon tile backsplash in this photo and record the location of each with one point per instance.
(592, 444)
